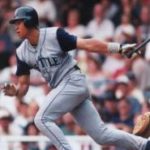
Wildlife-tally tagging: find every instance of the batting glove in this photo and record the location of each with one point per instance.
(126, 48)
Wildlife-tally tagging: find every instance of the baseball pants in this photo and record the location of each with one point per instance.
(72, 95)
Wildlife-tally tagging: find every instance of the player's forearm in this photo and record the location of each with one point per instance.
(22, 90)
(22, 86)
(95, 45)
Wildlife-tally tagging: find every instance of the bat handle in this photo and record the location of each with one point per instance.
(133, 53)
(129, 54)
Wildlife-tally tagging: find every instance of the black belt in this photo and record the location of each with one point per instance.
(76, 67)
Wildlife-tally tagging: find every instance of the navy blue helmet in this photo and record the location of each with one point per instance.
(28, 15)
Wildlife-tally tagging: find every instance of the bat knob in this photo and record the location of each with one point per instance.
(129, 54)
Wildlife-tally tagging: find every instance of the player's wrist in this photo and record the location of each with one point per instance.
(114, 47)
(17, 91)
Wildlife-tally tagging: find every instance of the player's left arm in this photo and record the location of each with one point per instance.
(92, 45)
(69, 42)
(95, 45)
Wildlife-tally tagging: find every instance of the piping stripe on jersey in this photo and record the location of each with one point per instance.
(40, 50)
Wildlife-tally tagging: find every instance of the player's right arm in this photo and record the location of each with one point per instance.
(23, 73)
(18, 90)
(23, 85)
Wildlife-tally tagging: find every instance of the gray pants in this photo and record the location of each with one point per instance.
(72, 95)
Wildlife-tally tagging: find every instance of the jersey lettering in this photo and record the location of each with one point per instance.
(49, 62)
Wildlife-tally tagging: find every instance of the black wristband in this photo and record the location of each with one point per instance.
(120, 49)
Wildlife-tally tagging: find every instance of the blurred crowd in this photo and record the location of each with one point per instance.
(120, 87)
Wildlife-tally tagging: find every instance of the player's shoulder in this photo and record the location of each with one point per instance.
(51, 30)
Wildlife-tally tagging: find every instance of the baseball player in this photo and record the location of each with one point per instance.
(46, 50)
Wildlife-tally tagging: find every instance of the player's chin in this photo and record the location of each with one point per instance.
(21, 36)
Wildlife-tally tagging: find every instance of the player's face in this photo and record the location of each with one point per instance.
(21, 29)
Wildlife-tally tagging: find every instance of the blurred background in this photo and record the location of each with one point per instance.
(120, 87)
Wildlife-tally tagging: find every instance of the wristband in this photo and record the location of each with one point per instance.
(113, 47)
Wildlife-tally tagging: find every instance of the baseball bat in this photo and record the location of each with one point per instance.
(138, 48)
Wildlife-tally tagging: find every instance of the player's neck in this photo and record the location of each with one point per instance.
(33, 37)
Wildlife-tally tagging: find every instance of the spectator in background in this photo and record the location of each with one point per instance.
(70, 127)
(126, 7)
(111, 9)
(6, 128)
(46, 11)
(6, 5)
(85, 7)
(99, 26)
(50, 147)
(125, 32)
(74, 27)
(5, 122)
(73, 23)
(123, 92)
(140, 66)
(134, 90)
(141, 70)
(7, 73)
(144, 28)
(21, 120)
(6, 44)
(69, 124)
(30, 130)
(96, 77)
(126, 119)
(117, 62)
(127, 67)
(110, 112)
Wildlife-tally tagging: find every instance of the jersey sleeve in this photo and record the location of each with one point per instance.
(66, 41)
(22, 68)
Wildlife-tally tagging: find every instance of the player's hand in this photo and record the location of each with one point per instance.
(9, 89)
(125, 48)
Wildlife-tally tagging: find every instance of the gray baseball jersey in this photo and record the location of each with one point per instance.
(70, 94)
(50, 56)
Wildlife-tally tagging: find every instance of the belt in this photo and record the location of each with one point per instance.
(76, 67)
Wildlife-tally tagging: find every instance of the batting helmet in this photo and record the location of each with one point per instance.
(28, 15)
